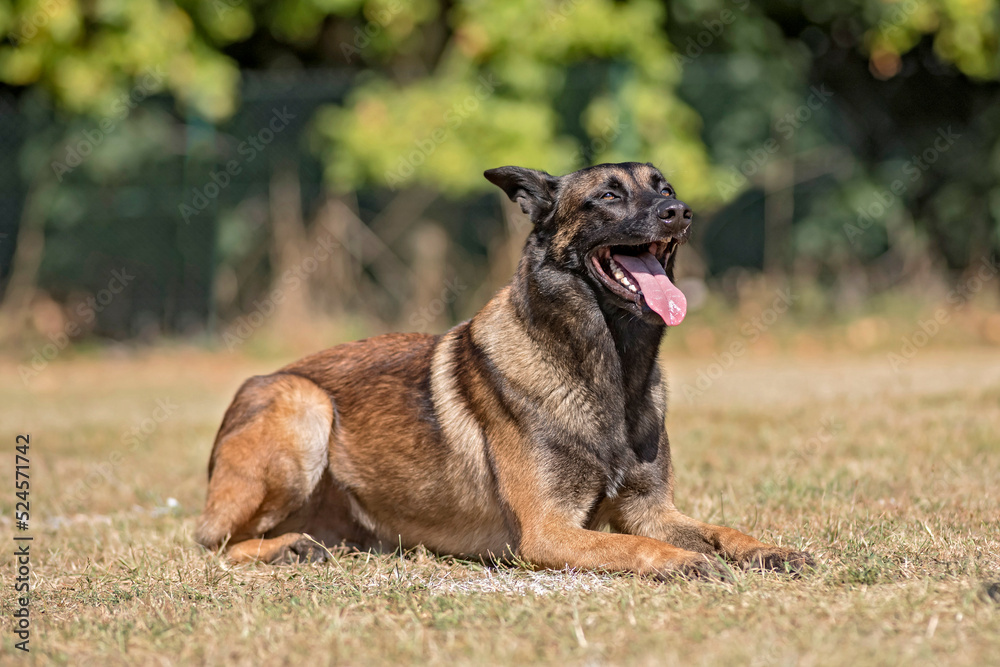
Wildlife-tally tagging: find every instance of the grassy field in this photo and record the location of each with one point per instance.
(891, 478)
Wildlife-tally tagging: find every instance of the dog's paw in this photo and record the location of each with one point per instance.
(779, 559)
(698, 566)
(303, 550)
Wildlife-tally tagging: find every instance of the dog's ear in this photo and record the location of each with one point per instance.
(534, 190)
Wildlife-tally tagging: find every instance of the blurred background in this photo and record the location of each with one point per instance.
(196, 191)
(269, 176)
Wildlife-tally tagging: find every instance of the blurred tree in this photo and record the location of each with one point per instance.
(88, 54)
(500, 90)
(789, 120)
(851, 131)
(454, 87)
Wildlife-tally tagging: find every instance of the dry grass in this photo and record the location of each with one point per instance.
(891, 478)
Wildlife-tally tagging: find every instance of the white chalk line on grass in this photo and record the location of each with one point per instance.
(503, 581)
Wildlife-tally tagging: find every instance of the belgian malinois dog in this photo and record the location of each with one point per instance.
(522, 433)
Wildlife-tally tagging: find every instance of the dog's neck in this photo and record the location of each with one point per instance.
(638, 345)
(591, 336)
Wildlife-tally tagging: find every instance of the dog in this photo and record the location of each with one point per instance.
(533, 432)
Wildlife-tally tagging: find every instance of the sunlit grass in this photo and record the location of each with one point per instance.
(890, 478)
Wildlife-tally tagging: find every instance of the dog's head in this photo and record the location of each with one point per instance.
(617, 226)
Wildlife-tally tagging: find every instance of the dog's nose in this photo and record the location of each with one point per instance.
(675, 213)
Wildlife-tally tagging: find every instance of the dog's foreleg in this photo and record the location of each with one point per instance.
(555, 545)
(657, 518)
(551, 534)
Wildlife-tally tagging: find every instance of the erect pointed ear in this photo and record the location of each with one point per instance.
(534, 190)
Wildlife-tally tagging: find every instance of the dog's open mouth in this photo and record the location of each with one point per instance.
(636, 273)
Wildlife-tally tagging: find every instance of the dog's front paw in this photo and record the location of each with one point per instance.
(779, 559)
(697, 566)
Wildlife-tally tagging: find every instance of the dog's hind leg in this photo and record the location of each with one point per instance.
(286, 548)
(269, 458)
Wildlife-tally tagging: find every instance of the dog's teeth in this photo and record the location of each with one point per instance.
(619, 274)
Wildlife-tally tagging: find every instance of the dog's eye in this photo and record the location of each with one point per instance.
(609, 196)
(667, 192)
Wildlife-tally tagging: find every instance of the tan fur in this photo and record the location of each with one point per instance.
(524, 432)
(519, 358)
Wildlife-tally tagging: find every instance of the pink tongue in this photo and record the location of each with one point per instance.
(661, 295)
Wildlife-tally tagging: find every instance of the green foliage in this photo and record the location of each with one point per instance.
(88, 54)
(390, 131)
(440, 91)
(498, 96)
(966, 32)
